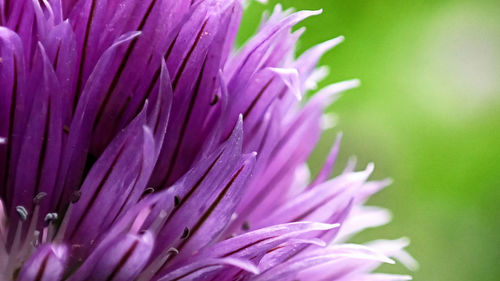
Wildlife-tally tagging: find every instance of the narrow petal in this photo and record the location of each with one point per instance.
(320, 258)
(13, 103)
(46, 264)
(40, 153)
(113, 177)
(204, 268)
(124, 259)
(78, 143)
(194, 63)
(220, 187)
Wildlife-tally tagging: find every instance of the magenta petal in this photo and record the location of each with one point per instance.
(204, 269)
(124, 258)
(13, 104)
(78, 143)
(40, 152)
(46, 264)
(113, 177)
(136, 143)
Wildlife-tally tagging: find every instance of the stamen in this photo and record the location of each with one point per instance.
(147, 191)
(49, 230)
(158, 223)
(45, 234)
(39, 197)
(185, 234)
(64, 224)
(26, 247)
(50, 217)
(22, 212)
(215, 100)
(177, 200)
(245, 226)
(14, 251)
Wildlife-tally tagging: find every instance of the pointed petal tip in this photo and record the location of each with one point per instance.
(127, 37)
(370, 167)
(404, 240)
(329, 44)
(291, 78)
(388, 260)
(347, 84)
(326, 226)
(387, 181)
(354, 82)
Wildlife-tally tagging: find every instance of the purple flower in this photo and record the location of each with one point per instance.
(137, 144)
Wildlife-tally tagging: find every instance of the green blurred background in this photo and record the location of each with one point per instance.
(428, 115)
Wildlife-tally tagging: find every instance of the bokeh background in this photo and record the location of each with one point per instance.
(428, 115)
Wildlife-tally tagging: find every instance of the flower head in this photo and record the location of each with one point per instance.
(137, 144)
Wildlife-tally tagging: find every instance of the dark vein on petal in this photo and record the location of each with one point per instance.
(122, 111)
(186, 59)
(171, 47)
(41, 270)
(247, 58)
(121, 68)
(158, 117)
(123, 260)
(256, 99)
(20, 18)
(43, 150)
(79, 81)
(248, 246)
(56, 59)
(157, 73)
(98, 190)
(193, 189)
(131, 191)
(6, 11)
(156, 76)
(274, 249)
(211, 209)
(193, 271)
(184, 125)
(314, 208)
(266, 191)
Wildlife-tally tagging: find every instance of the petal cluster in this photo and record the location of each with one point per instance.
(136, 143)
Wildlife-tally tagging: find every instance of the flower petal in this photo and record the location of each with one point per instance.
(124, 259)
(46, 264)
(13, 106)
(40, 153)
(204, 269)
(78, 143)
